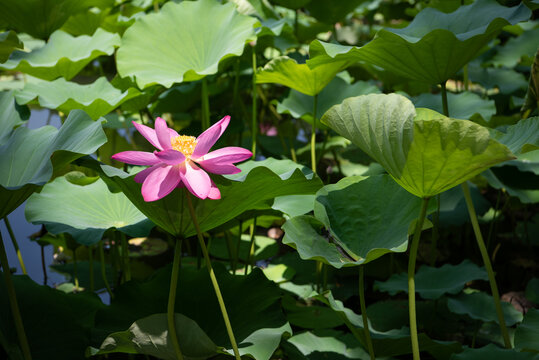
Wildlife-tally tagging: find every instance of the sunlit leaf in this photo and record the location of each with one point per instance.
(331, 344)
(84, 211)
(157, 50)
(434, 46)
(432, 283)
(63, 55)
(480, 306)
(426, 155)
(96, 99)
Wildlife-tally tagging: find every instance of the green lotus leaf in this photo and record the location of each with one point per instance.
(10, 115)
(40, 18)
(526, 196)
(332, 344)
(253, 304)
(300, 77)
(84, 211)
(426, 155)
(433, 47)
(301, 106)
(187, 39)
(507, 80)
(480, 306)
(63, 55)
(330, 12)
(294, 205)
(149, 336)
(8, 42)
(276, 177)
(517, 49)
(79, 135)
(461, 106)
(96, 99)
(292, 4)
(493, 352)
(527, 332)
(521, 137)
(432, 283)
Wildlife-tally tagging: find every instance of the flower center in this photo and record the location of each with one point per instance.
(184, 144)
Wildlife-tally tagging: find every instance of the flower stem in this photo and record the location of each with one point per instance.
(444, 99)
(411, 281)
(488, 265)
(254, 125)
(313, 135)
(364, 311)
(103, 269)
(91, 267)
(171, 318)
(251, 253)
(15, 245)
(43, 266)
(205, 105)
(17, 319)
(212, 277)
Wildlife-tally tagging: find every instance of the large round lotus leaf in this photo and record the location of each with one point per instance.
(63, 55)
(521, 137)
(40, 18)
(149, 336)
(517, 49)
(507, 80)
(79, 135)
(10, 115)
(183, 42)
(480, 306)
(8, 42)
(366, 218)
(254, 188)
(432, 283)
(84, 211)
(300, 77)
(330, 12)
(434, 46)
(493, 352)
(252, 301)
(425, 152)
(461, 106)
(330, 344)
(96, 99)
(301, 106)
(527, 333)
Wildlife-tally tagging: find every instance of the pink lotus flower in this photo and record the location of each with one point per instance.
(175, 164)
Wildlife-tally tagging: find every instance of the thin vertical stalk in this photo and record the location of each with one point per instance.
(15, 245)
(251, 253)
(12, 296)
(43, 266)
(364, 311)
(171, 318)
(444, 99)
(91, 267)
(411, 280)
(103, 269)
(205, 105)
(125, 257)
(313, 135)
(254, 124)
(488, 265)
(213, 278)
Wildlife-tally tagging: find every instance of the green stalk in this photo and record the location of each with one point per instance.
(43, 266)
(103, 269)
(488, 265)
(250, 255)
(313, 135)
(444, 99)
(213, 278)
(17, 319)
(411, 281)
(15, 245)
(91, 264)
(171, 318)
(205, 105)
(125, 257)
(364, 311)
(254, 125)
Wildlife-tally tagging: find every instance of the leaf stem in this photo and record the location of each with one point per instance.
(251, 253)
(444, 99)
(411, 281)
(313, 135)
(15, 245)
(43, 266)
(205, 105)
(91, 267)
(17, 319)
(212, 277)
(364, 311)
(254, 125)
(103, 269)
(171, 318)
(488, 265)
